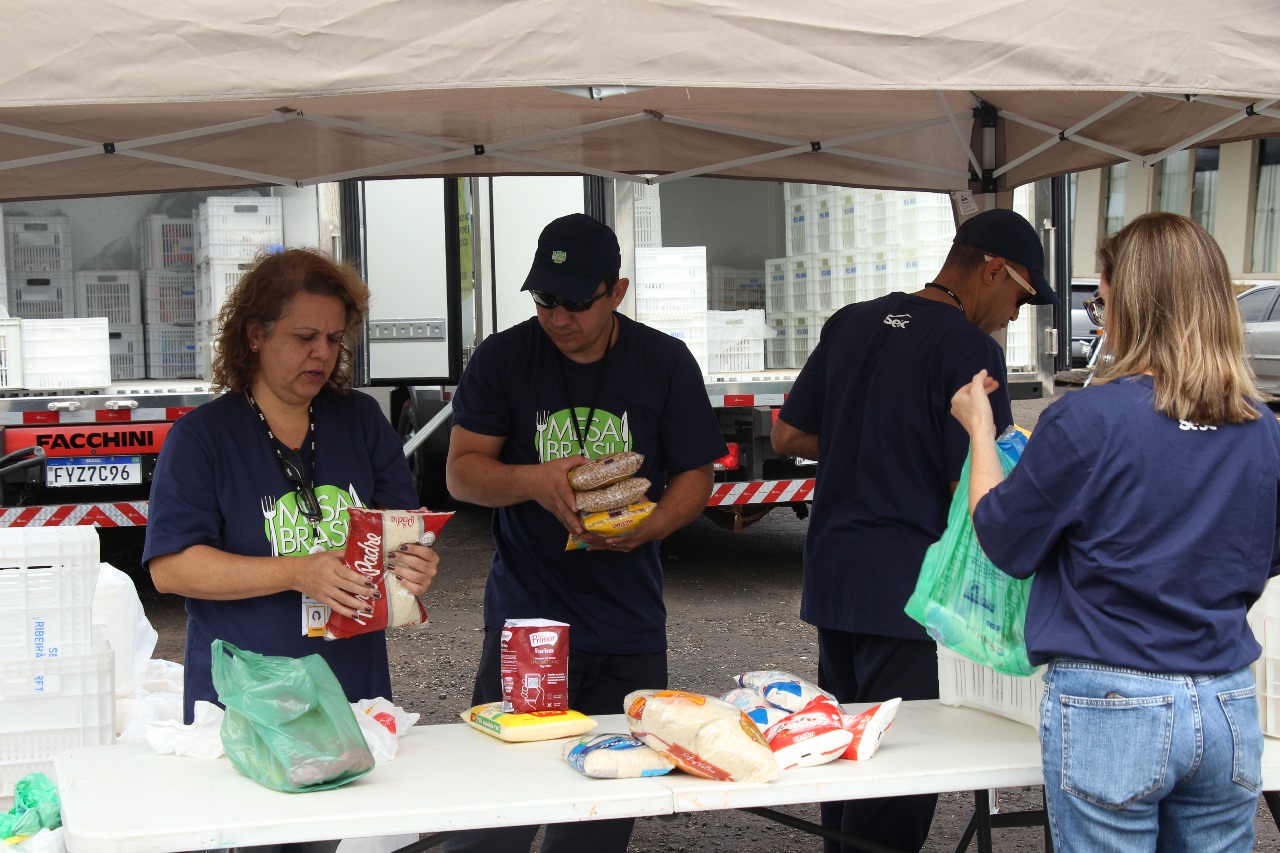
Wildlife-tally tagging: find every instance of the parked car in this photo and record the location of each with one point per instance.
(1084, 333)
(1261, 315)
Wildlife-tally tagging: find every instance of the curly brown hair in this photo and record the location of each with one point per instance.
(262, 296)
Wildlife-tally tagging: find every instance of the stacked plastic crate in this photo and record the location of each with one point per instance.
(169, 295)
(116, 296)
(56, 669)
(38, 266)
(230, 233)
(671, 294)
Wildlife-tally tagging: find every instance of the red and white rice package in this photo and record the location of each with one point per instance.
(787, 691)
(535, 666)
(373, 536)
(868, 728)
(702, 735)
(813, 735)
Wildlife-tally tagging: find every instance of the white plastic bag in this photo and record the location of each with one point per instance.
(201, 739)
(117, 607)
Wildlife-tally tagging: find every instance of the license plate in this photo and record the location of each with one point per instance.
(93, 471)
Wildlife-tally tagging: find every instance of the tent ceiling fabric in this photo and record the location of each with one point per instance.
(242, 92)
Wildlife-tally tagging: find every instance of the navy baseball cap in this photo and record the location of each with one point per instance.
(1005, 233)
(575, 253)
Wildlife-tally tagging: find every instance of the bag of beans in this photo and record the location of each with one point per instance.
(374, 535)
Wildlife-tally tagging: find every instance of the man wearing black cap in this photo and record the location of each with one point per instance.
(872, 405)
(578, 380)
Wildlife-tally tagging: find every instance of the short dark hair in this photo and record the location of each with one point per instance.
(964, 259)
(261, 297)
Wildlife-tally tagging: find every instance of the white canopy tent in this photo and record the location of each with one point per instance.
(136, 96)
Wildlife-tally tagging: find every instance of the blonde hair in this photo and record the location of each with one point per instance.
(1172, 313)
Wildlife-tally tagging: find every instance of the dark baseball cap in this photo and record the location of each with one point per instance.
(1006, 234)
(575, 253)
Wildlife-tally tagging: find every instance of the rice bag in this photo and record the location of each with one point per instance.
(522, 728)
(372, 537)
(813, 735)
(754, 706)
(701, 735)
(868, 728)
(787, 691)
(615, 756)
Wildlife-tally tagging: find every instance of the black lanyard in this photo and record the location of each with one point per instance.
(578, 430)
(308, 470)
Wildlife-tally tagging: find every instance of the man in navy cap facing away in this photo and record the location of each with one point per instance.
(872, 405)
(578, 380)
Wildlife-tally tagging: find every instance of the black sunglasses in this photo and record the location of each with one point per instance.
(551, 301)
(308, 503)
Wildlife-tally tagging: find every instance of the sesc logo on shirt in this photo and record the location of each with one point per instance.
(897, 321)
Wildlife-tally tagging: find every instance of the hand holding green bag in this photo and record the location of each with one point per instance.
(288, 724)
(961, 598)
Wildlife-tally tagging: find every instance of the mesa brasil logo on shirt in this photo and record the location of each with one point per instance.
(289, 531)
(555, 437)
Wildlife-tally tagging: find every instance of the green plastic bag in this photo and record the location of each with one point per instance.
(35, 807)
(961, 598)
(288, 724)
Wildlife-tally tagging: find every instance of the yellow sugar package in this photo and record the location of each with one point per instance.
(614, 522)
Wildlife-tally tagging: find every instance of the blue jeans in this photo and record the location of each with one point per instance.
(1140, 761)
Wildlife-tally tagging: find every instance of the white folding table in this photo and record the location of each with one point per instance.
(127, 799)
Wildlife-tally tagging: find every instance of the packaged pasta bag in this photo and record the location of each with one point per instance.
(374, 535)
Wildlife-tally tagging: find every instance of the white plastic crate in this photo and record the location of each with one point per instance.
(41, 295)
(1264, 618)
(692, 331)
(776, 296)
(802, 331)
(875, 281)
(214, 280)
(167, 242)
(826, 282)
(648, 222)
(47, 579)
(731, 289)
(169, 296)
(38, 243)
(671, 264)
(800, 235)
(114, 294)
(846, 207)
(66, 353)
(777, 347)
(171, 351)
(964, 682)
(801, 276)
(877, 222)
(1019, 349)
(848, 265)
(826, 222)
(128, 355)
(54, 704)
(924, 218)
(791, 191)
(735, 341)
(10, 352)
(238, 228)
(206, 346)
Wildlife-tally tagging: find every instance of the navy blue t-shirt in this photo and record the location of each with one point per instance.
(1149, 537)
(877, 392)
(651, 400)
(218, 483)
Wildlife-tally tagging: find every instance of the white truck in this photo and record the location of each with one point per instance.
(445, 259)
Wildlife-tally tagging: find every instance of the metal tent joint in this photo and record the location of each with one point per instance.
(479, 149)
(108, 148)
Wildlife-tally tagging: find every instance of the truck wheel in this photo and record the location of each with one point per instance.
(427, 469)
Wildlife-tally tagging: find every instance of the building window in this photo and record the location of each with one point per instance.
(1266, 210)
(1174, 179)
(1113, 217)
(1204, 187)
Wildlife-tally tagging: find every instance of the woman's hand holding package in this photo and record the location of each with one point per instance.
(972, 409)
(415, 566)
(323, 576)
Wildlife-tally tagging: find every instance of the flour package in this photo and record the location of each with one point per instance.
(702, 735)
(787, 691)
(615, 756)
(535, 666)
(373, 536)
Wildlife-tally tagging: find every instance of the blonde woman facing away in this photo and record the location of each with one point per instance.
(1146, 507)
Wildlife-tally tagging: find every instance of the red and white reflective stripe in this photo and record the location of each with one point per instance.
(92, 416)
(761, 492)
(724, 401)
(121, 514)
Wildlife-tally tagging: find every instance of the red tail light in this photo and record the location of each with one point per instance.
(728, 462)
